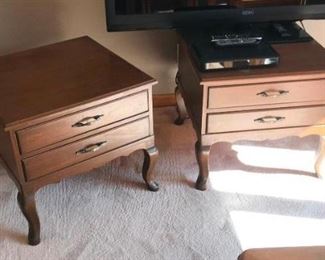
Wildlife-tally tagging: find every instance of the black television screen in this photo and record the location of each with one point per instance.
(148, 14)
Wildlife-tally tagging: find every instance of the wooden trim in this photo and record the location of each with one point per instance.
(164, 100)
(263, 134)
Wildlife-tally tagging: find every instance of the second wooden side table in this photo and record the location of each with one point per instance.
(255, 104)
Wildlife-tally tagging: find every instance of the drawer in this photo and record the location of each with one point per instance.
(265, 119)
(57, 159)
(263, 94)
(51, 132)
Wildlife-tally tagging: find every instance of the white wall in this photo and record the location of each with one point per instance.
(317, 30)
(30, 23)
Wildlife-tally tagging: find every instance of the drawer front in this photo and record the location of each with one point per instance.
(57, 159)
(263, 94)
(42, 135)
(265, 119)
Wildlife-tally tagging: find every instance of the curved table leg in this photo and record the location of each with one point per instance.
(180, 105)
(320, 162)
(202, 156)
(26, 202)
(150, 159)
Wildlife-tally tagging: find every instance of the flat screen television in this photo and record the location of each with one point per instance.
(158, 14)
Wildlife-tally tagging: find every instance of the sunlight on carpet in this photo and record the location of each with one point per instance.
(282, 184)
(285, 186)
(273, 157)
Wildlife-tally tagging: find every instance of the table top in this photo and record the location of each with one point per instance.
(59, 76)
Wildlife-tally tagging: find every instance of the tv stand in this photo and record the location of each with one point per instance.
(253, 104)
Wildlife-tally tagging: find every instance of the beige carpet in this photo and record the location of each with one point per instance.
(260, 194)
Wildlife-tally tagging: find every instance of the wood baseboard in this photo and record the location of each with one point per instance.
(164, 100)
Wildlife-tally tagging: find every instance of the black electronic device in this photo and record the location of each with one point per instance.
(157, 14)
(214, 49)
(211, 57)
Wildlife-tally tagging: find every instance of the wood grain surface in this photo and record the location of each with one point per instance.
(59, 76)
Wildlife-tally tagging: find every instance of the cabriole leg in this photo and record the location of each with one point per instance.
(27, 205)
(202, 156)
(180, 105)
(150, 159)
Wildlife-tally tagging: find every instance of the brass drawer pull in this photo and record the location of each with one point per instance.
(269, 119)
(273, 93)
(87, 121)
(91, 148)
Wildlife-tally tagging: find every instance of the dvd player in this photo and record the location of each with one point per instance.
(211, 56)
(237, 48)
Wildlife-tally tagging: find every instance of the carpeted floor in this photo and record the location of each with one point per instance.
(260, 194)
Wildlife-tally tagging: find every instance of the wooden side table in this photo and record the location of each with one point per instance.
(67, 108)
(256, 104)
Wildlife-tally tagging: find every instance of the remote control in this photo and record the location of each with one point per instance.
(235, 40)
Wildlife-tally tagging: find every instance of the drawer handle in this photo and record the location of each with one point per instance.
(273, 93)
(87, 121)
(269, 119)
(91, 148)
